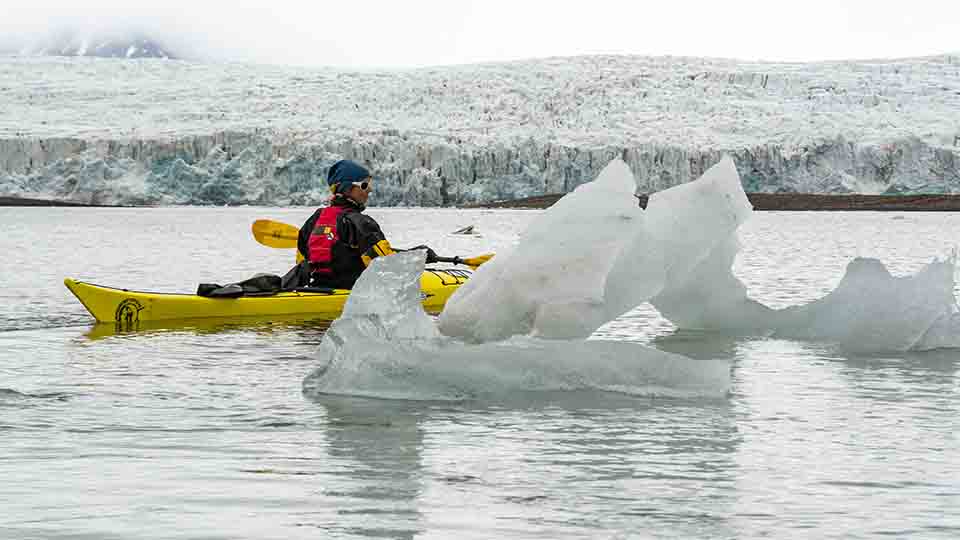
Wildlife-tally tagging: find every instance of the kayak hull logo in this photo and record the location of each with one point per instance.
(128, 313)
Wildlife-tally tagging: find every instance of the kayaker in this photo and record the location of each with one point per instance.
(339, 241)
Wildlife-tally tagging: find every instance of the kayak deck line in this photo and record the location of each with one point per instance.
(128, 307)
(285, 294)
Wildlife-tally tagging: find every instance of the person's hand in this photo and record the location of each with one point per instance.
(431, 255)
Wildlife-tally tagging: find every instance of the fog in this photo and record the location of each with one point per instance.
(434, 32)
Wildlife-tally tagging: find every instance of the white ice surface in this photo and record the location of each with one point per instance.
(586, 101)
(384, 345)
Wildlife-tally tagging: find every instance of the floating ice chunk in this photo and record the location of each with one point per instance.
(689, 219)
(385, 346)
(596, 255)
(553, 284)
(468, 230)
(452, 370)
(387, 297)
(873, 310)
(694, 227)
(710, 297)
(870, 310)
(943, 334)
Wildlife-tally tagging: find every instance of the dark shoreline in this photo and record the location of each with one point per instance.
(20, 201)
(814, 202)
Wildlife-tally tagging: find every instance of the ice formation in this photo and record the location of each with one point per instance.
(595, 255)
(171, 132)
(385, 346)
(582, 263)
(553, 284)
(873, 310)
(518, 325)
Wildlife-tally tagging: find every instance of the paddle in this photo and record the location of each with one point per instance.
(280, 235)
(470, 261)
(275, 234)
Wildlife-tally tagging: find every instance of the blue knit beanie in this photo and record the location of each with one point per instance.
(343, 173)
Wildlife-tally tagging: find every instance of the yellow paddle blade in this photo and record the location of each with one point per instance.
(275, 234)
(478, 260)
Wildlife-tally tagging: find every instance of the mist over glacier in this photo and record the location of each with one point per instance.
(171, 132)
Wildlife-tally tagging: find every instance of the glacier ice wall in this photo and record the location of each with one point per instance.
(100, 130)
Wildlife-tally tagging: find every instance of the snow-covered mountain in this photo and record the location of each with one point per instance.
(102, 45)
(175, 132)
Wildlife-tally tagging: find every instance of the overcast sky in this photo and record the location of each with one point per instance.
(411, 33)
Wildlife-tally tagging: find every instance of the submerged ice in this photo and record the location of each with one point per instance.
(384, 345)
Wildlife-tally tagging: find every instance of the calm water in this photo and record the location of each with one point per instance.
(204, 432)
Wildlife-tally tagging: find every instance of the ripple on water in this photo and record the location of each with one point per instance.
(12, 398)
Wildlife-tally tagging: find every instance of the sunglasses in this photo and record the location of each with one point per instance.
(362, 185)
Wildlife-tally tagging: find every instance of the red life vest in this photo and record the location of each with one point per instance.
(322, 239)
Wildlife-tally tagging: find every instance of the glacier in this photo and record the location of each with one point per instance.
(145, 131)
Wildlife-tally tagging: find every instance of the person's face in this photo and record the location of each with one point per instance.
(359, 193)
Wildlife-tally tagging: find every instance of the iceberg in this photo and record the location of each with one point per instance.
(875, 311)
(596, 255)
(554, 283)
(521, 323)
(589, 260)
(385, 346)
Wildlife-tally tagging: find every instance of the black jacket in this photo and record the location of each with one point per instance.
(360, 236)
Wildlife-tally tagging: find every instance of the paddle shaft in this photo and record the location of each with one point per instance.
(281, 235)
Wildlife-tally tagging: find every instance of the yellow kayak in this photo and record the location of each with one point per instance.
(129, 308)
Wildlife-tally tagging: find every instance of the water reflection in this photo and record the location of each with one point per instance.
(927, 375)
(936, 363)
(210, 325)
(376, 451)
(643, 464)
(701, 344)
(828, 428)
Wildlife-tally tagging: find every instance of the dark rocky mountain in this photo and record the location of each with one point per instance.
(133, 45)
